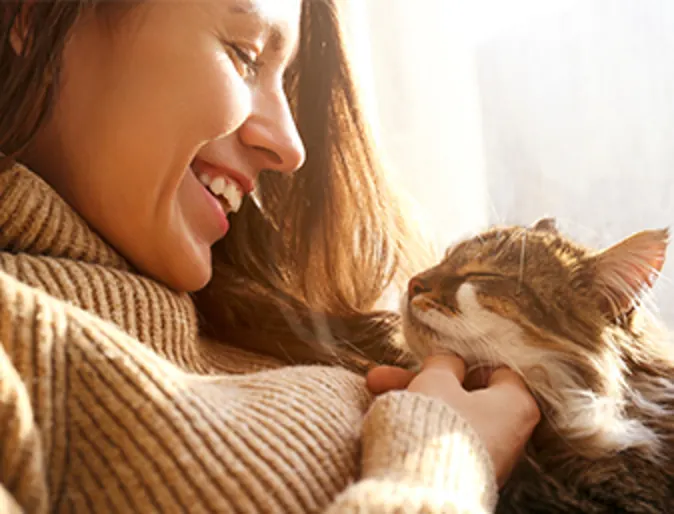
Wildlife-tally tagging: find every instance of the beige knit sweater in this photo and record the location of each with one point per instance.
(111, 402)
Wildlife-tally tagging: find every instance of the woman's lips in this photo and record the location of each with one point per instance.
(207, 214)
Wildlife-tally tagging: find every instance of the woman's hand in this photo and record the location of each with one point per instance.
(497, 405)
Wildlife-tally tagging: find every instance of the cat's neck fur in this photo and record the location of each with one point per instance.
(629, 404)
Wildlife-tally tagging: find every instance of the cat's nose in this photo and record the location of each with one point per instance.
(415, 287)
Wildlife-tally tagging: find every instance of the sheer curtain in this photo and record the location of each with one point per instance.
(505, 111)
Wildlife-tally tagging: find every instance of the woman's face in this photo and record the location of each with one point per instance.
(174, 95)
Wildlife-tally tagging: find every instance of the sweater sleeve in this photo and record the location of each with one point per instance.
(93, 420)
(22, 480)
(419, 456)
(8, 503)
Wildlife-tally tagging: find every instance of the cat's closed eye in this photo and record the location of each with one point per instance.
(485, 275)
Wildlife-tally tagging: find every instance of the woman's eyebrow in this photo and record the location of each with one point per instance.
(243, 7)
(277, 38)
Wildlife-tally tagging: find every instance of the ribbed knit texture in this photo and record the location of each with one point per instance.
(111, 402)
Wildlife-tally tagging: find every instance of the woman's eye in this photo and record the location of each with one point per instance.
(244, 61)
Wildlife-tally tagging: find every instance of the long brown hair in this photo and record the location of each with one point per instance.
(300, 279)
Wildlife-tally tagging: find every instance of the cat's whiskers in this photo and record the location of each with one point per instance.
(486, 345)
(590, 234)
(492, 206)
(582, 332)
(477, 335)
(583, 419)
(522, 262)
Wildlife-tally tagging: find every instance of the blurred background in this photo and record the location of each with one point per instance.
(494, 111)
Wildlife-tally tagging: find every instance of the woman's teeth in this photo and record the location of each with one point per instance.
(224, 188)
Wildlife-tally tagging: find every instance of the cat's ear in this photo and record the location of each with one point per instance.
(545, 225)
(625, 270)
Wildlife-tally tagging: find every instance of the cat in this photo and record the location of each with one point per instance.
(571, 321)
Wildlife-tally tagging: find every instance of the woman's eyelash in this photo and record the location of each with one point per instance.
(250, 62)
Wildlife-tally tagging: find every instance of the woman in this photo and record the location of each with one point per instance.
(133, 134)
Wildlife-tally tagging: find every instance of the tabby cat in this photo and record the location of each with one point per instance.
(571, 322)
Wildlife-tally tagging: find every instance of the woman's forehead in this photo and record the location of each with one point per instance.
(280, 16)
(277, 12)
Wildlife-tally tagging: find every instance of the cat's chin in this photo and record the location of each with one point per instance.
(576, 422)
(419, 341)
(422, 341)
(479, 337)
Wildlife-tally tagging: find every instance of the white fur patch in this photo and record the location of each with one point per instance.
(482, 337)
(477, 335)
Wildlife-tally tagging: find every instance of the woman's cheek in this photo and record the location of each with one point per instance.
(224, 98)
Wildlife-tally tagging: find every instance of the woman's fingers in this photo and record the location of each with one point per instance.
(388, 378)
(506, 376)
(510, 385)
(495, 402)
(451, 363)
(441, 377)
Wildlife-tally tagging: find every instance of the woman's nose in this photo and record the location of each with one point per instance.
(273, 136)
(279, 153)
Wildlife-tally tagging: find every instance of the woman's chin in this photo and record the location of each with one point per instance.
(194, 277)
(187, 268)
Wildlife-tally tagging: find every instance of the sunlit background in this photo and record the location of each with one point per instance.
(507, 110)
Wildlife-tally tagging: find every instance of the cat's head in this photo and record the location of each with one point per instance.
(558, 313)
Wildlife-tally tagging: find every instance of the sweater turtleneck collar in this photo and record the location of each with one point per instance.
(46, 244)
